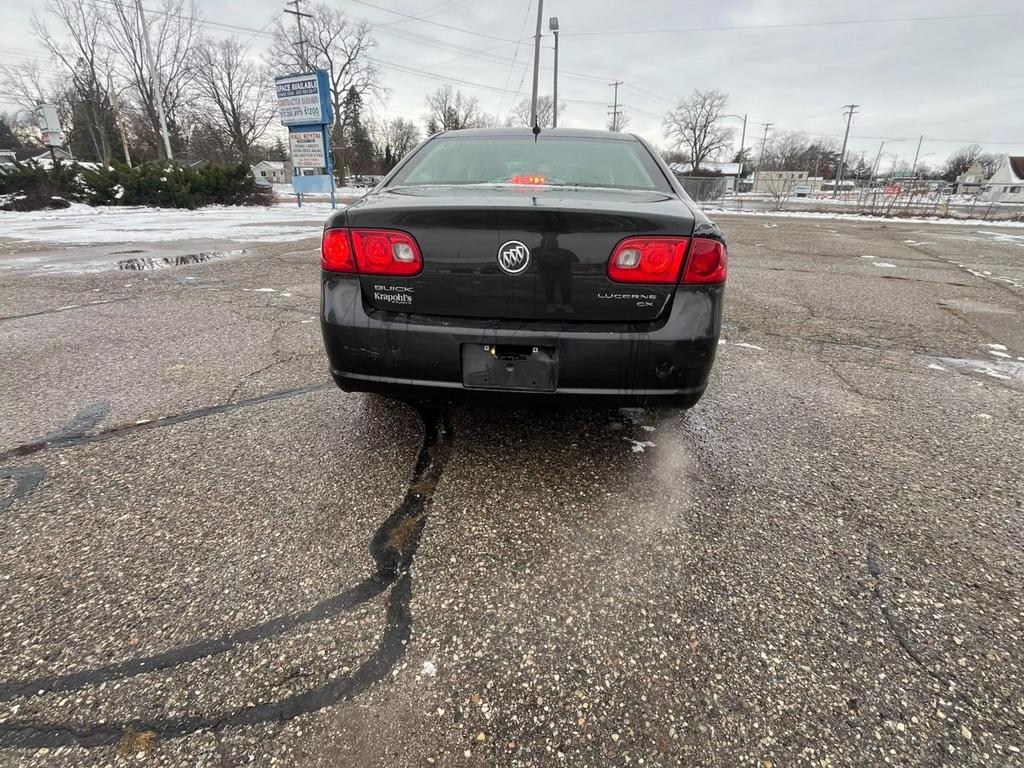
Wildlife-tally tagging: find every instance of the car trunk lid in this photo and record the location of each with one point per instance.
(569, 235)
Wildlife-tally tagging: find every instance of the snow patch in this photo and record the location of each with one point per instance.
(997, 353)
(429, 669)
(1000, 347)
(936, 367)
(639, 446)
(884, 264)
(992, 373)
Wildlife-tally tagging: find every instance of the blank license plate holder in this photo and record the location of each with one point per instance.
(510, 366)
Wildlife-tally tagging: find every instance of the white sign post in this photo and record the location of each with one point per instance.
(50, 126)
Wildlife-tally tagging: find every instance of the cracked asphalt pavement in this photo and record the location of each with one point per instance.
(209, 556)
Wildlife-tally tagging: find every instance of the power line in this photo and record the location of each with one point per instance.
(435, 23)
(515, 55)
(794, 25)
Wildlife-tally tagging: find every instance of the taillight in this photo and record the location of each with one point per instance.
(371, 252)
(647, 260)
(706, 263)
(336, 251)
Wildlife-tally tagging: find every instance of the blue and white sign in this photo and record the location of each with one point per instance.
(304, 104)
(303, 99)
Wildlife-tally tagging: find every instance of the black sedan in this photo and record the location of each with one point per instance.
(569, 265)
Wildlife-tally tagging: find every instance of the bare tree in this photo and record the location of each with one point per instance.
(693, 124)
(24, 86)
(965, 157)
(80, 47)
(173, 33)
(786, 151)
(236, 93)
(393, 140)
(451, 110)
(620, 122)
(341, 46)
(520, 115)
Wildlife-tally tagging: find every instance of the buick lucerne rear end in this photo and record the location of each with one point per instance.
(567, 266)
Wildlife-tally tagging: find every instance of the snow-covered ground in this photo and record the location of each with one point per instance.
(714, 212)
(286, 192)
(81, 224)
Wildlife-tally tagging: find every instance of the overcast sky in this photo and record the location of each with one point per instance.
(789, 62)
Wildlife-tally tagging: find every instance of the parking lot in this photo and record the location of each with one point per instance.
(210, 556)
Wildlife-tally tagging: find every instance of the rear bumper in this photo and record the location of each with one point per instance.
(408, 355)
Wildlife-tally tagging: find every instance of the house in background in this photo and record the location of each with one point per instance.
(1007, 183)
(267, 172)
(780, 183)
(971, 181)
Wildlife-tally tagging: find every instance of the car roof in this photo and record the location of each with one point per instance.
(571, 133)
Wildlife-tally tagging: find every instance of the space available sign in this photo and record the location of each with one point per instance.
(302, 99)
(307, 149)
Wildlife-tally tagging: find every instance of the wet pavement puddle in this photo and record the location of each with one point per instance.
(139, 264)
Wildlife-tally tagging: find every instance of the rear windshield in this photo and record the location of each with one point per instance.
(554, 160)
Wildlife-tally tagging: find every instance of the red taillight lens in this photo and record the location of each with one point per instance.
(370, 252)
(386, 252)
(336, 251)
(706, 263)
(647, 260)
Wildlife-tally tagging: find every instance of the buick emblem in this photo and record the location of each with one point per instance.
(513, 257)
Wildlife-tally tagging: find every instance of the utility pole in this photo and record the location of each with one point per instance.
(553, 26)
(760, 157)
(615, 107)
(117, 119)
(154, 73)
(536, 68)
(842, 158)
(299, 16)
(917, 155)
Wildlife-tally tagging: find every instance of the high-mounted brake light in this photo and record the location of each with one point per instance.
(707, 262)
(647, 260)
(528, 180)
(371, 252)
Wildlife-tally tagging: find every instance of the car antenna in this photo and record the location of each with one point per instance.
(536, 132)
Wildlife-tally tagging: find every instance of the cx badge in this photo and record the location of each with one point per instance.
(513, 257)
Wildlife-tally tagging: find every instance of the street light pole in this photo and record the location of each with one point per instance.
(553, 26)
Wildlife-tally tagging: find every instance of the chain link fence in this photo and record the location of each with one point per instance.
(704, 188)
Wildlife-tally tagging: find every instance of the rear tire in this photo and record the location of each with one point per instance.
(685, 402)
